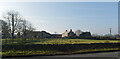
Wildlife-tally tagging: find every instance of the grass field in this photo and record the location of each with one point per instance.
(74, 41)
(56, 41)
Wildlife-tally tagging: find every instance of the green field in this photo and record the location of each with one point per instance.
(74, 41)
(56, 41)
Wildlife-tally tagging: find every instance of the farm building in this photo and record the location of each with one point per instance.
(38, 34)
(56, 35)
(85, 34)
(41, 34)
(77, 34)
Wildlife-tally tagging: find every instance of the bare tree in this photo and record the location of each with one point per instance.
(17, 24)
(14, 20)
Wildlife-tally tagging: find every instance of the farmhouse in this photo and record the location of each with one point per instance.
(68, 33)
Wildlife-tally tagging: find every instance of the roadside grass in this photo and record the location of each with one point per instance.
(94, 50)
(28, 53)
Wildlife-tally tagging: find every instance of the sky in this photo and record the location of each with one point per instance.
(59, 0)
(96, 17)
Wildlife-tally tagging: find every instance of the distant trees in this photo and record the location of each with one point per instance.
(78, 32)
(0, 29)
(27, 26)
(4, 29)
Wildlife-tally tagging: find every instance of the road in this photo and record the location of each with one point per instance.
(106, 55)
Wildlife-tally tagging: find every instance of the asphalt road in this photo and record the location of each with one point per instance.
(103, 55)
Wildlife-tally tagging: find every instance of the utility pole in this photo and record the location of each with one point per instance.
(119, 18)
(55, 32)
(110, 31)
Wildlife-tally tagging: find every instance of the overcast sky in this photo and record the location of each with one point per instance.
(96, 17)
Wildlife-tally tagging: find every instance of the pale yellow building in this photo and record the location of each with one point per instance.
(65, 34)
(68, 33)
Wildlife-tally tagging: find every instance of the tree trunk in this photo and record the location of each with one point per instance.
(13, 28)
